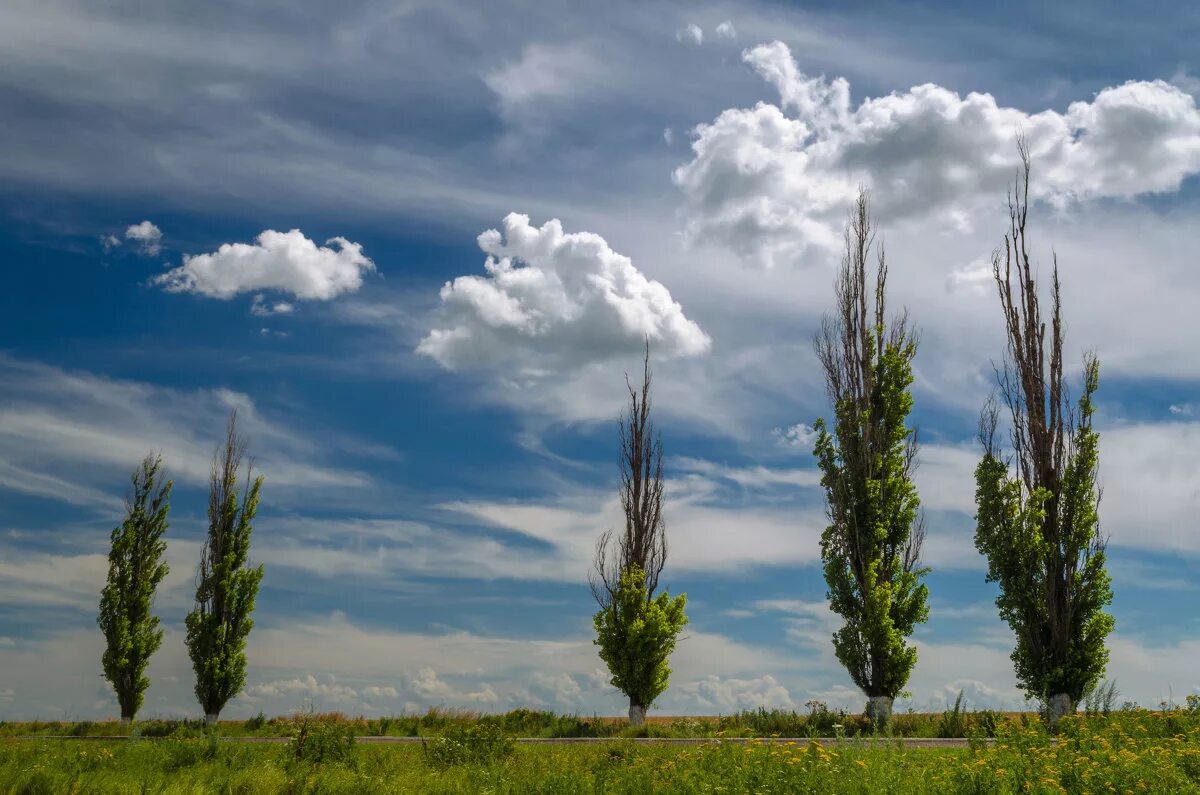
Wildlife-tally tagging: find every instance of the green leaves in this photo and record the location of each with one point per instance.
(869, 548)
(1050, 564)
(636, 635)
(135, 568)
(226, 590)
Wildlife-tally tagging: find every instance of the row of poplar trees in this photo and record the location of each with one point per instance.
(1036, 517)
(226, 587)
(1036, 498)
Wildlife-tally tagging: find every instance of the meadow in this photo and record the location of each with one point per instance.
(1134, 750)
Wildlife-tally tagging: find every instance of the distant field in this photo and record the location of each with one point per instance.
(1140, 751)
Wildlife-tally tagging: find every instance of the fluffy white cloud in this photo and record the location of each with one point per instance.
(771, 185)
(146, 235)
(726, 30)
(285, 261)
(555, 300)
(692, 34)
(801, 435)
(309, 686)
(717, 694)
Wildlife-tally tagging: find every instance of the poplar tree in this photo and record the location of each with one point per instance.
(636, 631)
(1039, 525)
(226, 588)
(871, 547)
(135, 568)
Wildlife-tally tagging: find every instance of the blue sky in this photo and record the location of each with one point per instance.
(433, 404)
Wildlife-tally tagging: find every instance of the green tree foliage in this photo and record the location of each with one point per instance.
(641, 547)
(636, 634)
(226, 589)
(135, 568)
(1037, 516)
(871, 548)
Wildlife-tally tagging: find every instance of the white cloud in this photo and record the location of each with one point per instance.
(717, 694)
(726, 30)
(146, 235)
(555, 300)
(771, 186)
(285, 261)
(1180, 409)
(542, 72)
(975, 278)
(260, 307)
(800, 435)
(326, 688)
(1150, 474)
(752, 477)
(71, 436)
(692, 34)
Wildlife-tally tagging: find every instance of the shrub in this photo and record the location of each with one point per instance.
(182, 754)
(480, 744)
(257, 722)
(321, 740)
(953, 722)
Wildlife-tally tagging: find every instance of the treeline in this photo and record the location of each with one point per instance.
(1036, 513)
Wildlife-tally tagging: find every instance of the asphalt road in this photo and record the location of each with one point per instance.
(908, 742)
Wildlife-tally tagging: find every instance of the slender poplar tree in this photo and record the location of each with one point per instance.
(226, 588)
(1039, 525)
(135, 568)
(635, 630)
(871, 548)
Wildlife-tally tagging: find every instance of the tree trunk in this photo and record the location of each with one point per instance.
(879, 709)
(1058, 706)
(126, 720)
(210, 718)
(637, 714)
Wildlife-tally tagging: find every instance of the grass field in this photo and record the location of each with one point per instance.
(1140, 751)
(817, 721)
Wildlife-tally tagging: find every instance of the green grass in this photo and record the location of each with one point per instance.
(816, 722)
(1134, 752)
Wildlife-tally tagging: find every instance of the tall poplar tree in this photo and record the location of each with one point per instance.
(135, 568)
(871, 548)
(1039, 525)
(226, 588)
(636, 630)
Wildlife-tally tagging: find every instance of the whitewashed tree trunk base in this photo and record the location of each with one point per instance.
(1059, 705)
(210, 719)
(637, 714)
(126, 721)
(879, 709)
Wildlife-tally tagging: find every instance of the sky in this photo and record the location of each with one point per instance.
(417, 245)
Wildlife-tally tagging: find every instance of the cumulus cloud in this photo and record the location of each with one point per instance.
(145, 235)
(554, 300)
(285, 261)
(726, 30)
(773, 181)
(308, 685)
(692, 34)
(714, 693)
(801, 435)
